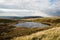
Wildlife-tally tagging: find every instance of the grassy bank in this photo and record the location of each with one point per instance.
(50, 34)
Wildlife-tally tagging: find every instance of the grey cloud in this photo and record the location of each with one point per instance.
(34, 5)
(25, 4)
(55, 9)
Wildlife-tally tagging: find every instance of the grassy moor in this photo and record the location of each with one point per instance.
(10, 32)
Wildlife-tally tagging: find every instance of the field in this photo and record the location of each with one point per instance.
(10, 32)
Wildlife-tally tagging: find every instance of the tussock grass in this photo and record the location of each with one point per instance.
(8, 31)
(51, 34)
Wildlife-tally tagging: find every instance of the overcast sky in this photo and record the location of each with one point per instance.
(29, 7)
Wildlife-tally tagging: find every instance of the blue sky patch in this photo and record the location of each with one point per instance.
(52, 1)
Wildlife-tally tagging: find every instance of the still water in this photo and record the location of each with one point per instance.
(31, 24)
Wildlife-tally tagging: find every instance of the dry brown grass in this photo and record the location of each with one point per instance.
(43, 33)
(51, 34)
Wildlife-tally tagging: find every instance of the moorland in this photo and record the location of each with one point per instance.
(10, 32)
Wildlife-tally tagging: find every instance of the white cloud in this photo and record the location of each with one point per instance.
(30, 7)
(39, 13)
(27, 4)
(15, 10)
(8, 14)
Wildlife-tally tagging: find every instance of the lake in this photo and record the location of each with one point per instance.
(31, 24)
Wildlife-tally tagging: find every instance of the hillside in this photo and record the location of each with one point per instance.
(50, 34)
(8, 31)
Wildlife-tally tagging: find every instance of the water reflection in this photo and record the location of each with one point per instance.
(31, 24)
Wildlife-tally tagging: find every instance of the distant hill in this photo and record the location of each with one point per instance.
(16, 17)
(32, 17)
